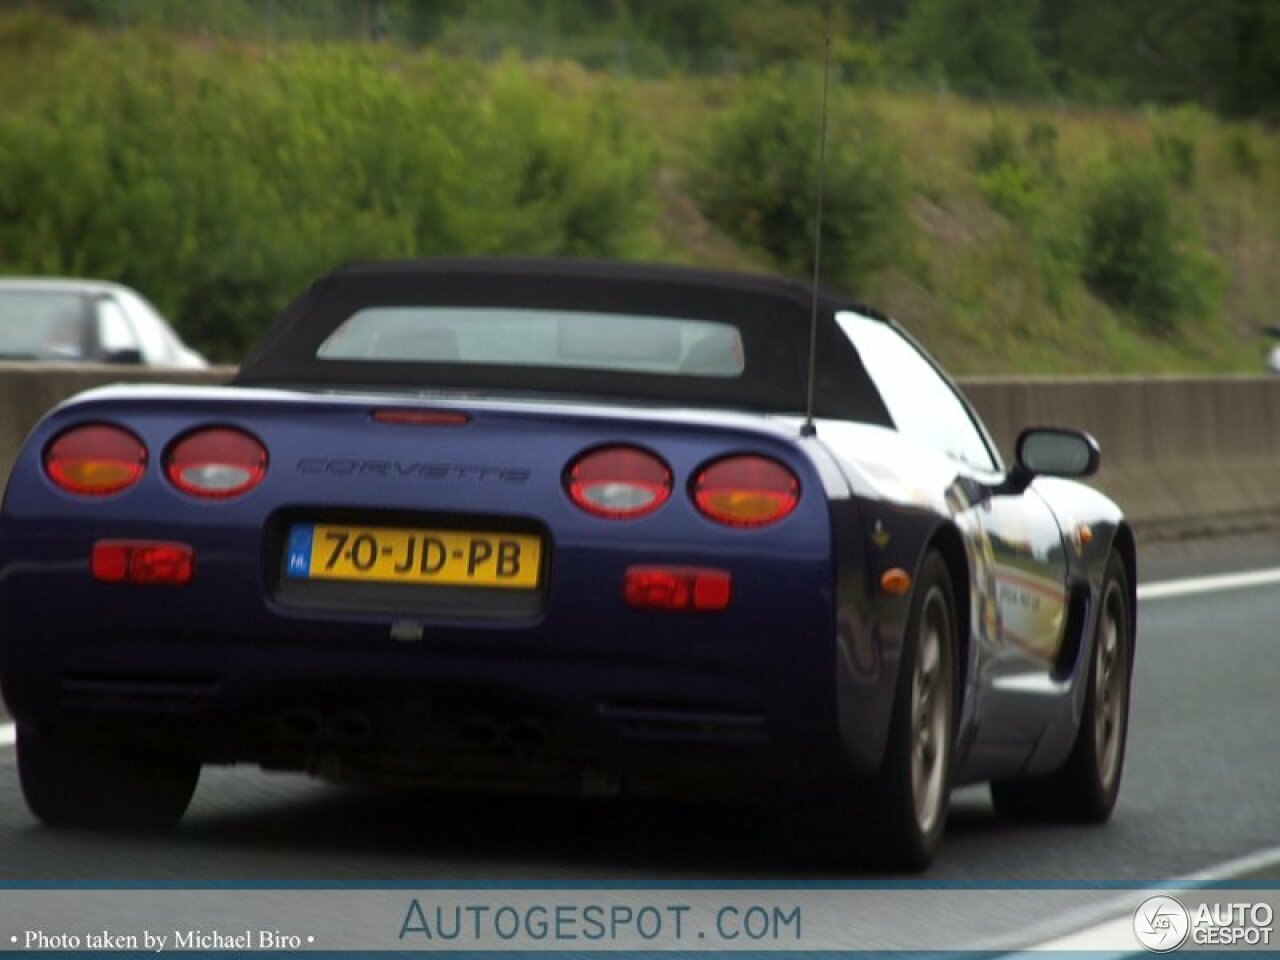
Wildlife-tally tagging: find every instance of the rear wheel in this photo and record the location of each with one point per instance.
(1086, 786)
(74, 785)
(908, 802)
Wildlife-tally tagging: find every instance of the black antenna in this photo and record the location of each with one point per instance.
(808, 429)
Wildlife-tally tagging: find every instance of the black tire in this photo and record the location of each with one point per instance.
(906, 805)
(1085, 788)
(73, 785)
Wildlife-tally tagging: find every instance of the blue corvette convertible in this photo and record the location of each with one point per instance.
(565, 525)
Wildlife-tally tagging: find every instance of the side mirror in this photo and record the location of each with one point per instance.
(129, 355)
(1058, 452)
(1052, 452)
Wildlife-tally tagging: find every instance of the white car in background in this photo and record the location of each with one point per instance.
(58, 320)
(1273, 355)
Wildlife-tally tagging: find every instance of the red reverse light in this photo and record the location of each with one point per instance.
(746, 491)
(95, 460)
(619, 482)
(216, 463)
(143, 562)
(677, 588)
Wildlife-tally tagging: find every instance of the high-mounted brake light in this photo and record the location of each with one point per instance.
(746, 491)
(95, 460)
(216, 463)
(618, 482)
(144, 562)
(421, 418)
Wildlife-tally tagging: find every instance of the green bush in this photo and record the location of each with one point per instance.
(1242, 155)
(1134, 253)
(567, 176)
(1178, 154)
(1012, 180)
(1042, 145)
(999, 148)
(977, 46)
(758, 179)
(220, 182)
(1012, 190)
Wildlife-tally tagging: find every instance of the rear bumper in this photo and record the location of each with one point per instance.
(588, 695)
(410, 714)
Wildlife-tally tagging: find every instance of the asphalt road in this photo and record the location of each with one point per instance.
(1200, 788)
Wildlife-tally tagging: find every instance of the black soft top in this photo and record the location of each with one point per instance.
(771, 314)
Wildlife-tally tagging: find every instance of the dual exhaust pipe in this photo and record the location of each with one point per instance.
(354, 728)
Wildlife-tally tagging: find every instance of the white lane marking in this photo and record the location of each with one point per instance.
(1225, 581)
(1092, 932)
(1254, 862)
(8, 734)
(1101, 938)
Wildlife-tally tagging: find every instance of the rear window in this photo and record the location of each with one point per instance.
(39, 325)
(527, 337)
(627, 333)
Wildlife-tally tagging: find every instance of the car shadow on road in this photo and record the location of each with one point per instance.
(414, 833)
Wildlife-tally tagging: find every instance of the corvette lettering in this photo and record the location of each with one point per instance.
(417, 470)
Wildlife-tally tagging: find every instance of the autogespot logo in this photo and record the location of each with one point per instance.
(1161, 924)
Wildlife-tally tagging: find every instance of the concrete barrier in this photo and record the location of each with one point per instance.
(1182, 455)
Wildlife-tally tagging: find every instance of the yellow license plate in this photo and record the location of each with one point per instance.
(324, 551)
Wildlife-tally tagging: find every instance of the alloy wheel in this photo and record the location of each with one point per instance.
(931, 686)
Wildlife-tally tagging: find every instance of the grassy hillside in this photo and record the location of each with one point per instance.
(1016, 238)
(992, 287)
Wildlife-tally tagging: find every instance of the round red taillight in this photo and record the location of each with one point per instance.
(216, 463)
(746, 491)
(95, 460)
(618, 482)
